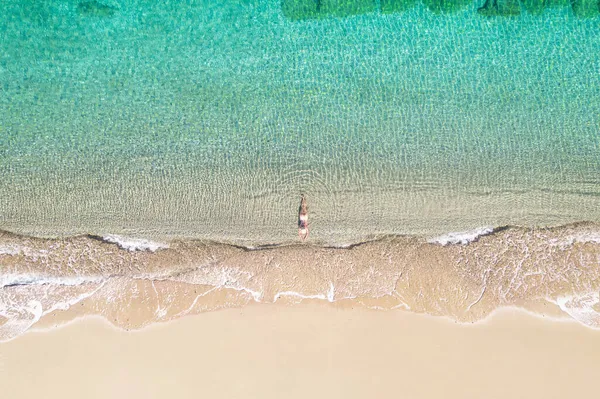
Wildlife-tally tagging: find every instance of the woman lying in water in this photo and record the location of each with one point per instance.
(303, 219)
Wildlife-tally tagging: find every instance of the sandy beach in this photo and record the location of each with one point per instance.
(306, 351)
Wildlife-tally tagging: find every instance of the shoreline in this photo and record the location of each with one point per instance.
(50, 322)
(142, 242)
(490, 318)
(465, 280)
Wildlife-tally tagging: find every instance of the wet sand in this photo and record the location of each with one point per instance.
(551, 272)
(306, 351)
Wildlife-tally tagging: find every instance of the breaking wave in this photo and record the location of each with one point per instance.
(462, 237)
(134, 244)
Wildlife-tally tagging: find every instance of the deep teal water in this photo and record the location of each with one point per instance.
(209, 118)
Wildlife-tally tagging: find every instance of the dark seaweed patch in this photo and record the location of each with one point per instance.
(347, 7)
(300, 9)
(503, 8)
(445, 6)
(390, 6)
(96, 9)
(585, 8)
(534, 6)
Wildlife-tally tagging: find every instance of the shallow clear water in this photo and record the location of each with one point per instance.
(209, 118)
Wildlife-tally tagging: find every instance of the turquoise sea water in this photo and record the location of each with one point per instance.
(209, 119)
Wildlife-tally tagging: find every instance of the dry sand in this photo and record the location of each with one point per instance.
(306, 351)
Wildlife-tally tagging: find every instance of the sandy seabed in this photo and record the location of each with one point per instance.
(306, 351)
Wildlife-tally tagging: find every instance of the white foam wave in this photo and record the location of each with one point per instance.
(222, 277)
(592, 237)
(15, 250)
(584, 308)
(461, 237)
(11, 279)
(11, 250)
(19, 319)
(134, 244)
(331, 293)
(25, 307)
(298, 295)
(328, 296)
